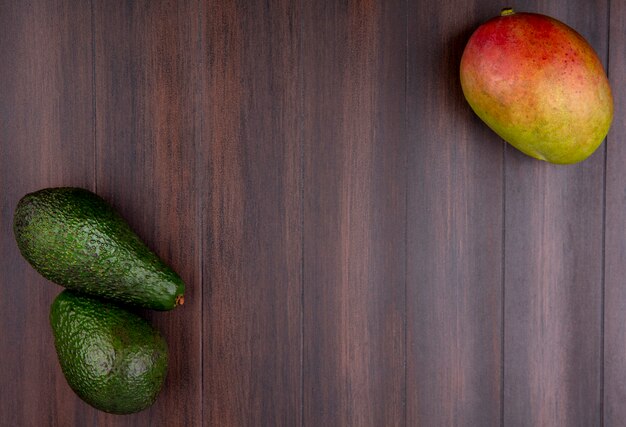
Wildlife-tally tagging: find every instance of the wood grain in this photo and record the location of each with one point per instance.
(553, 272)
(354, 213)
(615, 226)
(46, 140)
(455, 220)
(251, 158)
(359, 248)
(147, 98)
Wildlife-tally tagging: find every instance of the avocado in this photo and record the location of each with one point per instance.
(112, 358)
(74, 238)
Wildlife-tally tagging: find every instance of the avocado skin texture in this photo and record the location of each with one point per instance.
(113, 359)
(74, 238)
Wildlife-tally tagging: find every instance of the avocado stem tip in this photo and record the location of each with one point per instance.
(180, 300)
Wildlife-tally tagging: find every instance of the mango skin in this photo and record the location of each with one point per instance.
(539, 85)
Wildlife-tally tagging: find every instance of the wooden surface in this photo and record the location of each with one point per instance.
(359, 249)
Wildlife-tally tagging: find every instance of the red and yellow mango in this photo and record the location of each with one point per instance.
(539, 85)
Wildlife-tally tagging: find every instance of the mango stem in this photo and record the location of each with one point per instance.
(507, 11)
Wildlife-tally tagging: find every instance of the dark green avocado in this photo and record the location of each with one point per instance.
(74, 238)
(113, 359)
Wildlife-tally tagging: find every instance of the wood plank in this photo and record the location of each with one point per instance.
(46, 140)
(615, 247)
(455, 220)
(251, 195)
(553, 271)
(354, 213)
(148, 94)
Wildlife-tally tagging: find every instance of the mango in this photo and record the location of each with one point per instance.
(539, 85)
